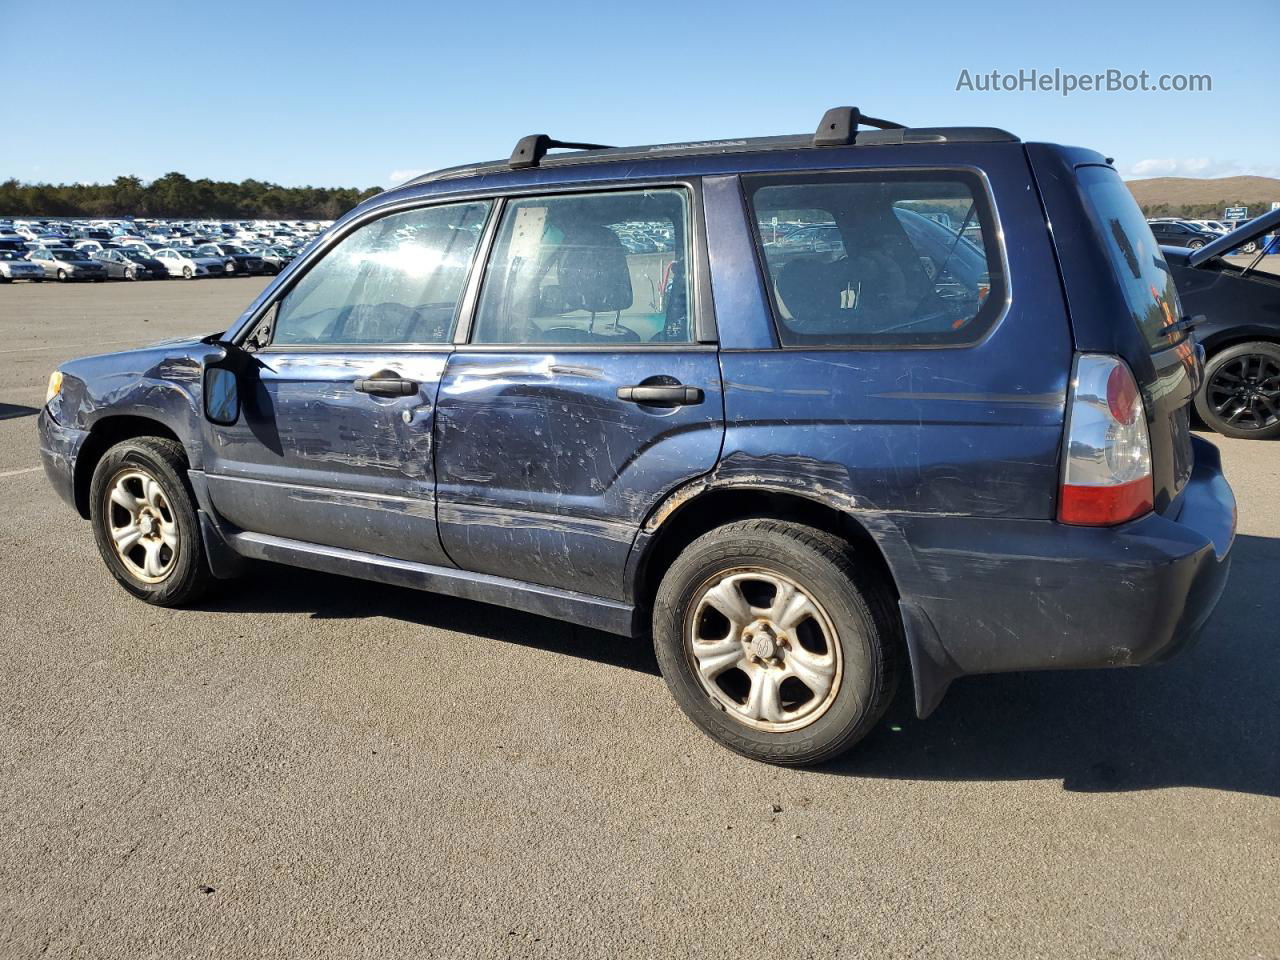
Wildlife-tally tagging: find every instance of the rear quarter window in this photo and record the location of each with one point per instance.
(1134, 253)
(878, 258)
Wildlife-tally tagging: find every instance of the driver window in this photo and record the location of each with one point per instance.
(397, 280)
(597, 269)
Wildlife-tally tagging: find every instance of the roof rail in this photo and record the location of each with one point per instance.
(839, 126)
(530, 150)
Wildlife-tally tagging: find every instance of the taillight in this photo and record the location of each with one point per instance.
(1106, 478)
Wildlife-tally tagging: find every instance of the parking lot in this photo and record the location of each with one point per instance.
(310, 766)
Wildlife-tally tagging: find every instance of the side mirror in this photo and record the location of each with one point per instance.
(221, 396)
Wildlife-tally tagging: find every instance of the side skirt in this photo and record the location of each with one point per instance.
(597, 613)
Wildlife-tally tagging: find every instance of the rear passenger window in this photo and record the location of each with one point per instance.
(597, 269)
(878, 259)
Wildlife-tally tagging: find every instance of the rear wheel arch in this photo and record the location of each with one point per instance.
(104, 435)
(716, 507)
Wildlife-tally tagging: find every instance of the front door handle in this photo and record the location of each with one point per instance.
(387, 386)
(660, 395)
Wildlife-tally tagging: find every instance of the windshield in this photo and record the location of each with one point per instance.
(1134, 253)
(185, 252)
(133, 254)
(67, 255)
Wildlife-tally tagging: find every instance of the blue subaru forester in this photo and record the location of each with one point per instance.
(812, 411)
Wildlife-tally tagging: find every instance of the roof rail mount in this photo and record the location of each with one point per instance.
(839, 126)
(531, 149)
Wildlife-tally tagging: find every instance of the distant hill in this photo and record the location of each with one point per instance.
(1190, 197)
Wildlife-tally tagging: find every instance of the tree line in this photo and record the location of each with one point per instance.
(1197, 211)
(176, 196)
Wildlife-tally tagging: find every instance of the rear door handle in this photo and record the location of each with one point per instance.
(387, 386)
(660, 396)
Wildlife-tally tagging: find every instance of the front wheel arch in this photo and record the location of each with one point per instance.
(104, 435)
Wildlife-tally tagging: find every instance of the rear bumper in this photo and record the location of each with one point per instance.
(990, 596)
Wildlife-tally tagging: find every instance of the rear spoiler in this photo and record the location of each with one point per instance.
(1252, 230)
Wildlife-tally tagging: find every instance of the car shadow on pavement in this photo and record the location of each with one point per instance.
(279, 589)
(1210, 717)
(11, 411)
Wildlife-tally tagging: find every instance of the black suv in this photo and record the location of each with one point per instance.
(815, 412)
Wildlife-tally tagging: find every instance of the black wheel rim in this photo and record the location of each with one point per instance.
(1244, 392)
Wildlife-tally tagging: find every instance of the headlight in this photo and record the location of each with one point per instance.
(55, 387)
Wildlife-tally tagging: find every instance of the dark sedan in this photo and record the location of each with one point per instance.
(237, 260)
(1175, 233)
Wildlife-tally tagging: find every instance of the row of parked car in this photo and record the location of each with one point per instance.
(1195, 234)
(42, 249)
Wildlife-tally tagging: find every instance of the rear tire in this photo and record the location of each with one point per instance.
(807, 659)
(144, 521)
(1253, 368)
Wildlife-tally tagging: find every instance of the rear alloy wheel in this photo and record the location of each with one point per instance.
(1250, 247)
(1241, 393)
(775, 643)
(144, 521)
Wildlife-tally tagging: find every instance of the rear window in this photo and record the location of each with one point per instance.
(878, 258)
(1134, 253)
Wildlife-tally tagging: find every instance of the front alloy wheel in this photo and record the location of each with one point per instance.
(145, 523)
(143, 529)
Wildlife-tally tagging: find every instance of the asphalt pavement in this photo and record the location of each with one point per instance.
(306, 766)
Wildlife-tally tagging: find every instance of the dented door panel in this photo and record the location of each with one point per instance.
(314, 459)
(546, 475)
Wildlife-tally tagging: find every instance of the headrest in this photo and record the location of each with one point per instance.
(811, 288)
(593, 270)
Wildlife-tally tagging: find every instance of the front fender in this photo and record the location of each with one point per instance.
(160, 384)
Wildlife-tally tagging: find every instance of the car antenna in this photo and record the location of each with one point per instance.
(530, 150)
(839, 126)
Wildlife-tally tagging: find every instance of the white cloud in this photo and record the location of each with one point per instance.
(397, 177)
(1197, 167)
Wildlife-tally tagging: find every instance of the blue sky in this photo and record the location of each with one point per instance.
(364, 94)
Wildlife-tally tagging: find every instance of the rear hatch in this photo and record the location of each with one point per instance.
(1122, 299)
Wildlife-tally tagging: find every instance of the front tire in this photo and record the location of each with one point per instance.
(1240, 396)
(776, 642)
(62, 276)
(144, 521)
(188, 273)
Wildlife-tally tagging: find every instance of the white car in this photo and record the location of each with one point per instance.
(14, 267)
(185, 262)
